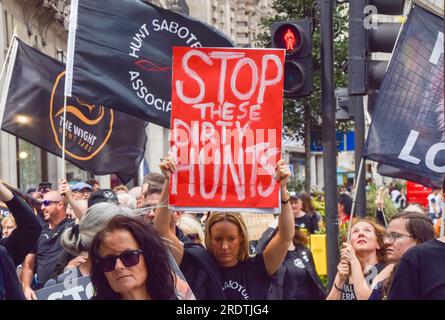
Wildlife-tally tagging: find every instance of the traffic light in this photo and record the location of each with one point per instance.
(295, 36)
(367, 36)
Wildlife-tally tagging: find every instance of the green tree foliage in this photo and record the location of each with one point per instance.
(371, 206)
(306, 111)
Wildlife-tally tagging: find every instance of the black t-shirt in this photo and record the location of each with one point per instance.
(420, 273)
(201, 272)
(10, 287)
(49, 250)
(348, 293)
(248, 280)
(307, 223)
(298, 284)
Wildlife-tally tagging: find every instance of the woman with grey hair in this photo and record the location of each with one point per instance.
(77, 239)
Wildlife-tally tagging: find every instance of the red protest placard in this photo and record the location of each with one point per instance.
(226, 124)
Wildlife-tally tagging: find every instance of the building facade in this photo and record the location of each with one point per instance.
(43, 24)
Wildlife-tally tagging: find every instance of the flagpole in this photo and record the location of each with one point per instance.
(63, 139)
(442, 226)
(14, 35)
(379, 195)
(69, 73)
(12, 53)
(384, 218)
(354, 201)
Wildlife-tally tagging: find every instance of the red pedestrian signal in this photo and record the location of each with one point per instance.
(289, 37)
(296, 38)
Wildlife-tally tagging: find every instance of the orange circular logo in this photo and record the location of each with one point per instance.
(88, 127)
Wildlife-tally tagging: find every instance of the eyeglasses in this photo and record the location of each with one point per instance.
(46, 203)
(129, 258)
(393, 236)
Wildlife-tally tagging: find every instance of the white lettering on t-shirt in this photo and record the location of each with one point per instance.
(233, 285)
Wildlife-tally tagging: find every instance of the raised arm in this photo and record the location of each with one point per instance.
(79, 206)
(277, 248)
(24, 238)
(163, 215)
(343, 272)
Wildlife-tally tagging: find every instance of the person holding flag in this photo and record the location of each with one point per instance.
(362, 260)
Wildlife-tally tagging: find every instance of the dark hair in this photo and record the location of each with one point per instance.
(308, 207)
(160, 282)
(300, 238)
(155, 182)
(418, 225)
(92, 182)
(346, 200)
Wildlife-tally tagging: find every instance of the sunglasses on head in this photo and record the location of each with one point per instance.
(129, 258)
(193, 236)
(46, 203)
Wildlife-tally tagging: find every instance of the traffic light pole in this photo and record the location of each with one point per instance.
(328, 136)
(359, 130)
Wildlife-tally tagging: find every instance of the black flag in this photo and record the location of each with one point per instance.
(388, 171)
(408, 125)
(123, 54)
(98, 139)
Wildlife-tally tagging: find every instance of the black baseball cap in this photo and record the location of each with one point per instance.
(102, 195)
(294, 195)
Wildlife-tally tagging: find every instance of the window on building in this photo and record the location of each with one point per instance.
(61, 55)
(28, 165)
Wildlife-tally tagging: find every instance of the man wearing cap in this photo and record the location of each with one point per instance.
(81, 191)
(102, 195)
(303, 220)
(74, 199)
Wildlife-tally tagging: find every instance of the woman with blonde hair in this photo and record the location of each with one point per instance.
(191, 229)
(224, 270)
(8, 225)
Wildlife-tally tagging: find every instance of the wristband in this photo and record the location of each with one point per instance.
(288, 198)
(286, 201)
(335, 286)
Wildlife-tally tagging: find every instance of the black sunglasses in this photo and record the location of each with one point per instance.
(46, 203)
(129, 258)
(193, 236)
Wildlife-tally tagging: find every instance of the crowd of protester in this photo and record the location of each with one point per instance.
(132, 246)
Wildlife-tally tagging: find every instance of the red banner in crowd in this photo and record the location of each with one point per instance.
(226, 124)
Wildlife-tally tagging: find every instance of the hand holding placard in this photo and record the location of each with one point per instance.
(226, 128)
